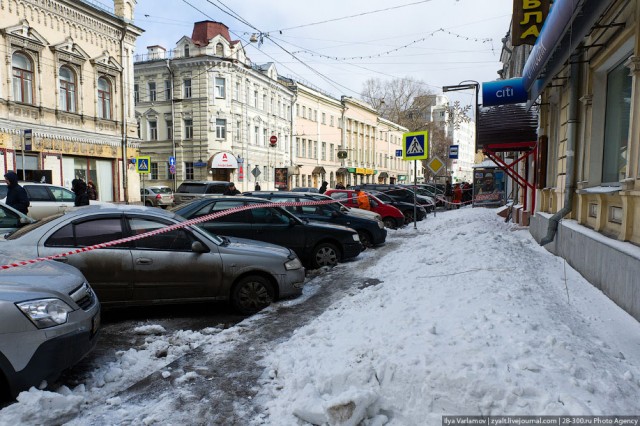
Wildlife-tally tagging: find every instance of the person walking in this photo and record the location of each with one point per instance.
(92, 191)
(80, 189)
(231, 189)
(17, 196)
(257, 187)
(457, 195)
(448, 194)
(340, 185)
(323, 187)
(363, 199)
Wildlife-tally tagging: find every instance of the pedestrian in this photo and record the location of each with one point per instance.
(323, 187)
(340, 185)
(257, 187)
(448, 194)
(92, 191)
(80, 189)
(363, 199)
(457, 195)
(231, 189)
(466, 193)
(17, 197)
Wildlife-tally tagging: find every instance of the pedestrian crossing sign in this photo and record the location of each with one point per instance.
(415, 145)
(143, 165)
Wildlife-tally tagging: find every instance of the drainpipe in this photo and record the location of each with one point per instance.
(572, 127)
(125, 107)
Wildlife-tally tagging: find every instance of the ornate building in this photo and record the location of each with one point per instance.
(66, 94)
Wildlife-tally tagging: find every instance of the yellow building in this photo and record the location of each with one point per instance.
(66, 91)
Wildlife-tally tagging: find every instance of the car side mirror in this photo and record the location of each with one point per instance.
(198, 247)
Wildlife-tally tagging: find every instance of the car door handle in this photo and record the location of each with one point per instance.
(144, 261)
(61, 259)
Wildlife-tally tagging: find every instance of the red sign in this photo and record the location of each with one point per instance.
(273, 140)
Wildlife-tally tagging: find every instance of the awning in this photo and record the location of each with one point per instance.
(223, 160)
(319, 170)
(342, 171)
(568, 22)
(383, 175)
(505, 125)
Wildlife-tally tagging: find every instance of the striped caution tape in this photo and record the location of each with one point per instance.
(163, 230)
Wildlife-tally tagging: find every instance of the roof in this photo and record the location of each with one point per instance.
(204, 31)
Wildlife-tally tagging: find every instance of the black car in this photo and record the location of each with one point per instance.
(316, 244)
(371, 233)
(400, 193)
(403, 206)
(430, 190)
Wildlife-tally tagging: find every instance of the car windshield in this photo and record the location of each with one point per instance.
(192, 188)
(28, 228)
(383, 197)
(162, 190)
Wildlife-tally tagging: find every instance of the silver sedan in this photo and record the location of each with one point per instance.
(181, 265)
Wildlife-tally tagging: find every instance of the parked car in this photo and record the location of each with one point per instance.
(305, 189)
(157, 196)
(185, 264)
(367, 214)
(49, 320)
(192, 189)
(11, 219)
(400, 193)
(45, 199)
(371, 233)
(429, 190)
(392, 217)
(316, 244)
(406, 208)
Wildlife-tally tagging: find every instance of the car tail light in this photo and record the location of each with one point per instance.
(159, 197)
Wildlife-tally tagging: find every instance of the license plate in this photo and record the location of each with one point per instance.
(95, 324)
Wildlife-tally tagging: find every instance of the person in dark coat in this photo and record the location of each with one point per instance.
(257, 187)
(92, 191)
(231, 190)
(80, 189)
(340, 185)
(17, 197)
(323, 187)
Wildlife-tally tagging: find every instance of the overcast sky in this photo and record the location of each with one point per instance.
(441, 42)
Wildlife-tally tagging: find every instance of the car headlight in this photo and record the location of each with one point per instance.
(380, 223)
(45, 313)
(293, 264)
(356, 237)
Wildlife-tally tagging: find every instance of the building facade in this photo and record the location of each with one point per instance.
(66, 109)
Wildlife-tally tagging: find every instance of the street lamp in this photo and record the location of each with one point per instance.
(466, 85)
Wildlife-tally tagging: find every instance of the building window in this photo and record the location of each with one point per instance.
(255, 99)
(264, 102)
(152, 91)
(186, 50)
(264, 137)
(616, 128)
(168, 90)
(256, 134)
(188, 170)
(67, 90)
(153, 130)
(169, 129)
(304, 112)
(219, 49)
(332, 155)
(238, 131)
(331, 121)
(324, 118)
(188, 128)
(303, 154)
(297, 110)
(136, 93)
(104, 98)
(186, 86)
(22, 78)
(154, 170)
(220, 88)
(236, 95)
(221, 128)
(323, 153)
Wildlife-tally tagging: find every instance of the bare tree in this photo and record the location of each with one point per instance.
(395, 98)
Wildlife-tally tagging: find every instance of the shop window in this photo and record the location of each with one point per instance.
(616, 130)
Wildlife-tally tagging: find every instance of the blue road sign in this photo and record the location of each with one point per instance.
(398, 153)
(172, 161)
(142, 165)
(415, 145)
(453, 151)
(172, 169)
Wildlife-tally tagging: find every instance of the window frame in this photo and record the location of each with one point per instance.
(68, 90)
(25, 77)
(104, 99)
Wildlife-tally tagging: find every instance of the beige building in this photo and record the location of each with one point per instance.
(66, 109)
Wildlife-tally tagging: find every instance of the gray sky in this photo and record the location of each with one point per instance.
(441, 42)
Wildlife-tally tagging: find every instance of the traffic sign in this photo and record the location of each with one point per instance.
(256, 172)
(453, 151)
(415, 145)
(172, 169)
(435, 165)
(28, 137)
(273, 140)
(172, 161)
(143, 165)
(398, 153)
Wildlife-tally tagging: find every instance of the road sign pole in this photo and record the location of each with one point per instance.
(415, 189)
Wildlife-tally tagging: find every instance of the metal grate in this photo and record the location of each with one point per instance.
(83, 296)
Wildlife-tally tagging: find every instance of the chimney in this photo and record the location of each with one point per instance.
(204, 31)
(156, 52)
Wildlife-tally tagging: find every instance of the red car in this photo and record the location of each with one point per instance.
(391, 216)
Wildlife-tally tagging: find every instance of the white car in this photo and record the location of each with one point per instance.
(45, 199)
(11, 219)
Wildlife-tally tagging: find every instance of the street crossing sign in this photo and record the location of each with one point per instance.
(143, 165)
(415, 145)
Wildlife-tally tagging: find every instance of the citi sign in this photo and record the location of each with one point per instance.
(503, 92)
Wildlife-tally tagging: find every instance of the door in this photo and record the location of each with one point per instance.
(236, 224)
(108, 270)
(274, 225)
(166, 268)
(64, 198)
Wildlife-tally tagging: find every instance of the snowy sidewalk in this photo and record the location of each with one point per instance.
(472, 317)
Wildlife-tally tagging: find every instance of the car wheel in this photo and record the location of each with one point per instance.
(408, 216)
(365, 238)
(389, 222)
(252, 294)
(324, 254)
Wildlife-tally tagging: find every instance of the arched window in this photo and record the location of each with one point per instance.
(67, 89)
(22, 78)
(104, 98)
(219, 49)
(186, 50)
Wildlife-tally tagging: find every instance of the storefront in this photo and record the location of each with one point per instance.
(223, 164)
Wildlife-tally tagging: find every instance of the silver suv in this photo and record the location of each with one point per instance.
(49, 319)
(191, 190)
